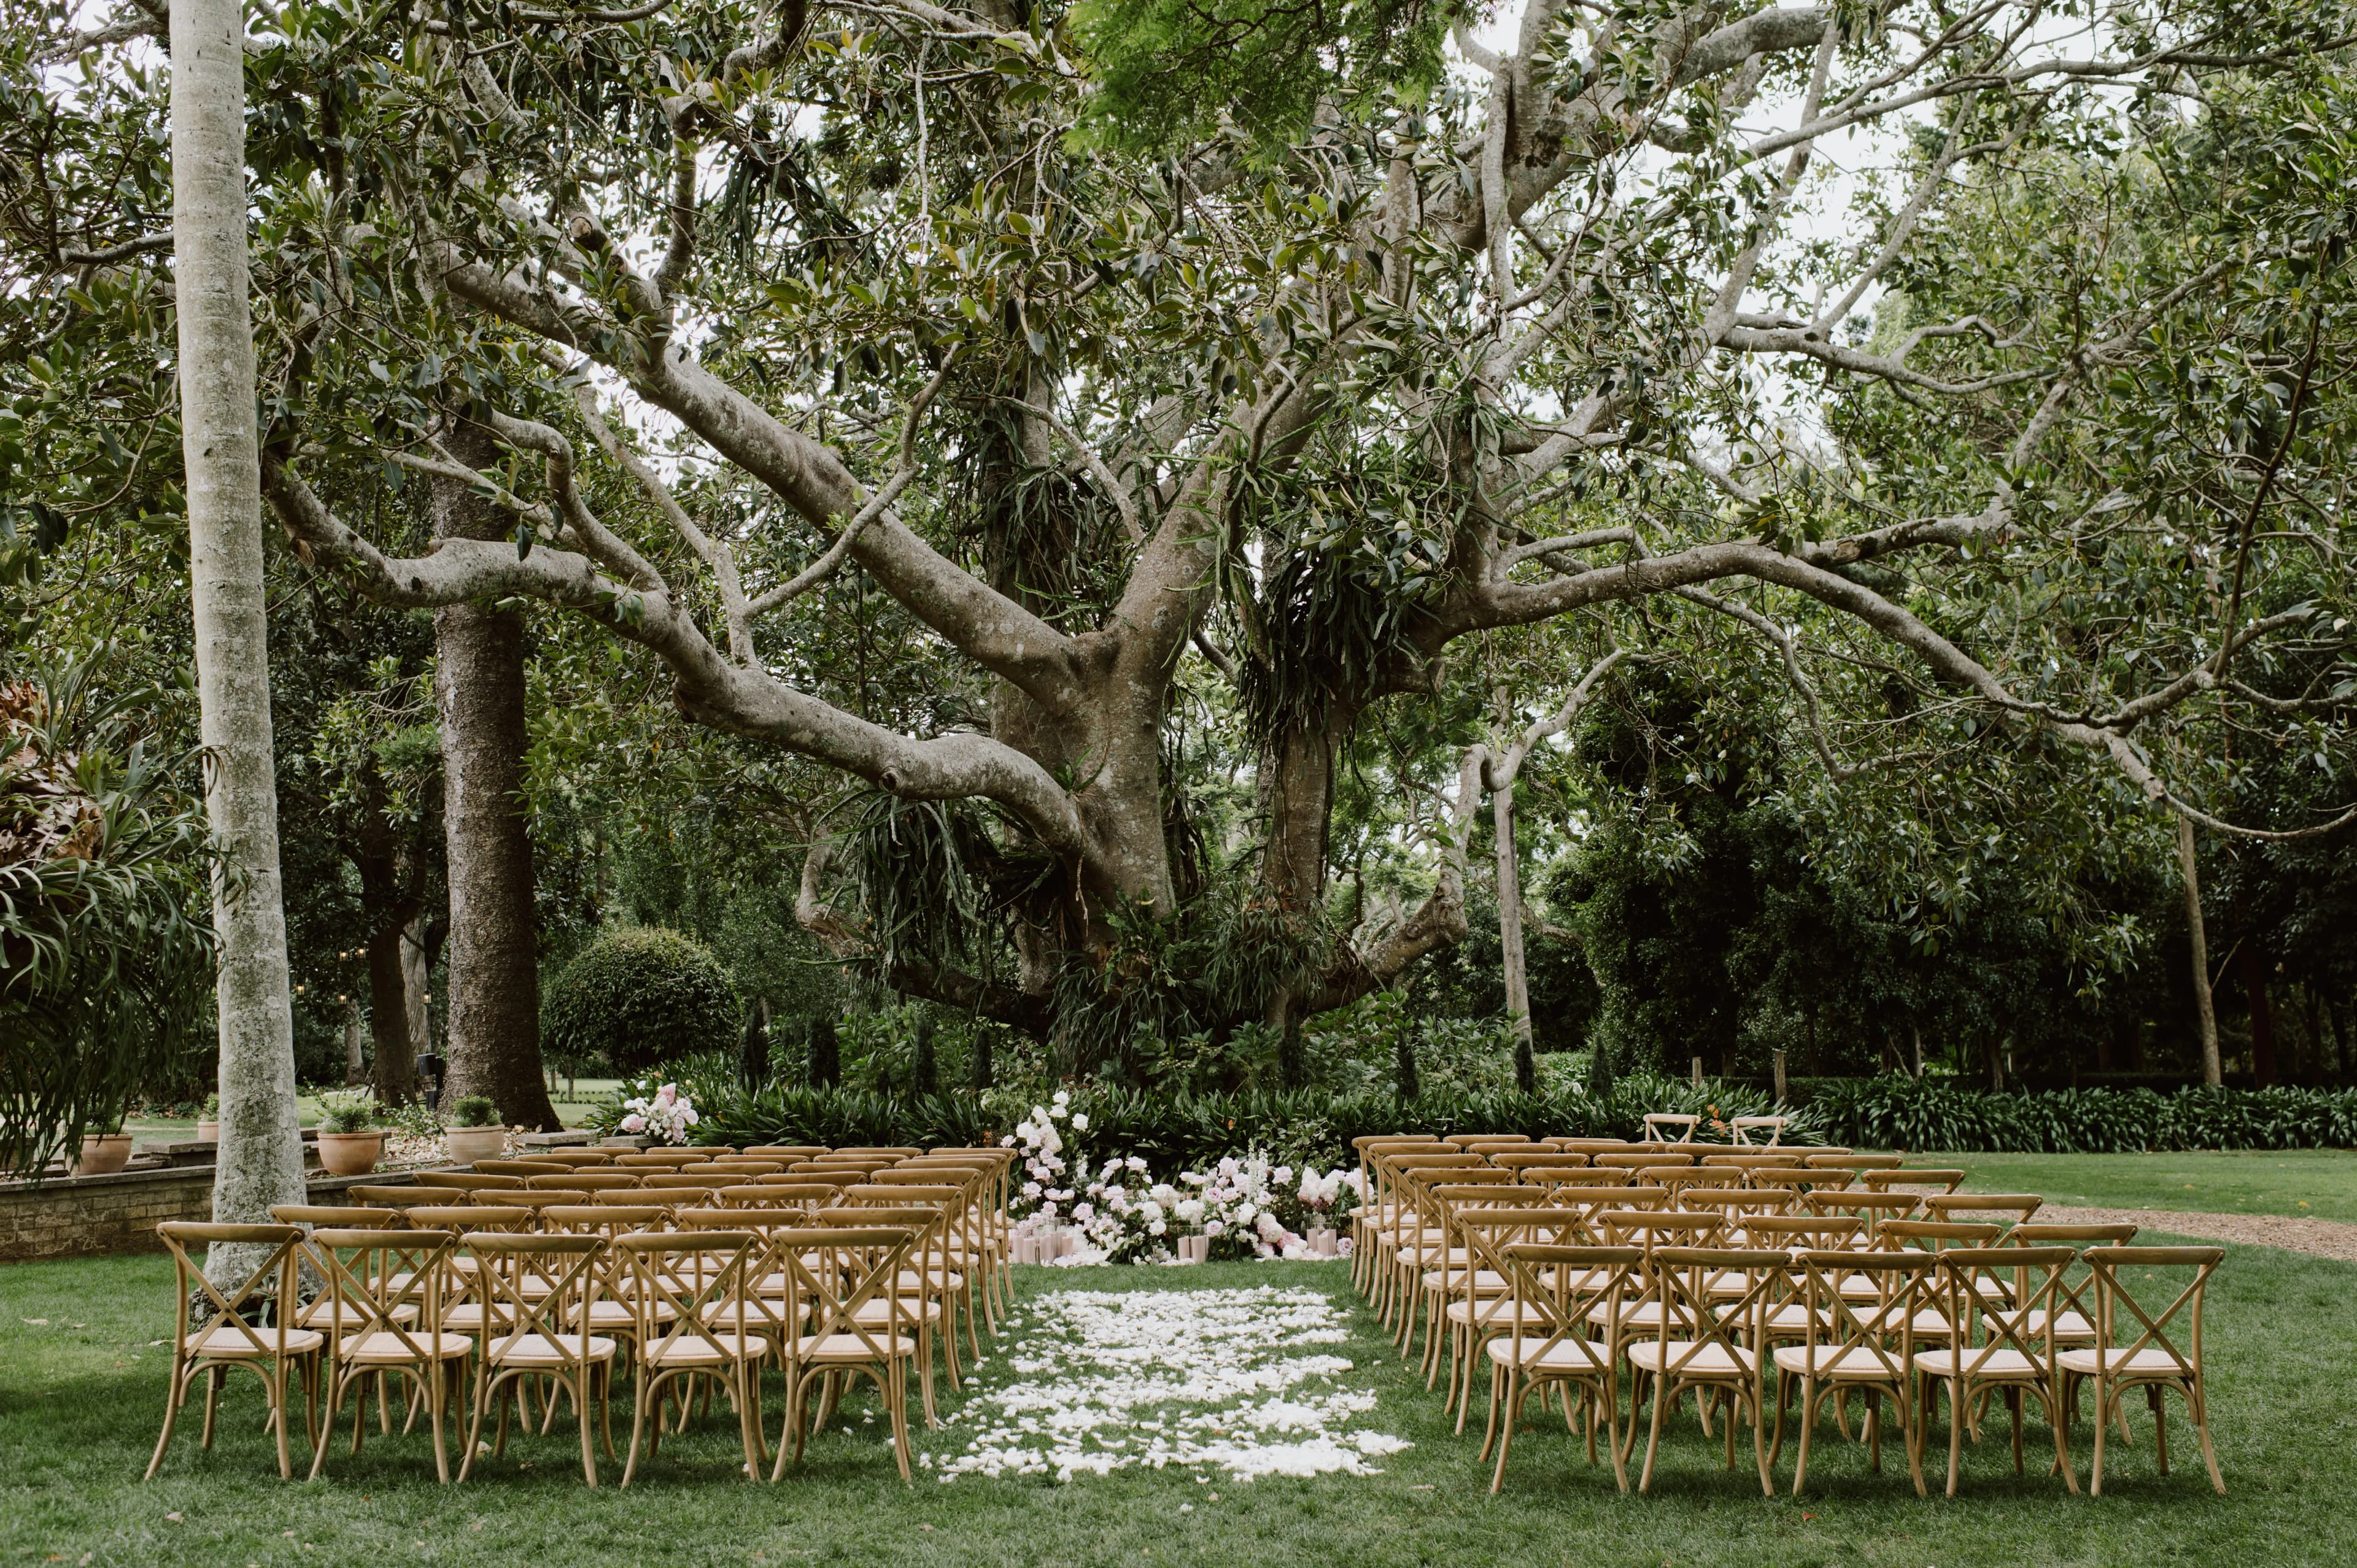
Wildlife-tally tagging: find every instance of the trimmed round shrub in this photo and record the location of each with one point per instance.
(638, 996)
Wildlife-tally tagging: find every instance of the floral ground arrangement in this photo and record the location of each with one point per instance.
(1247, 1383)
(82, 1390)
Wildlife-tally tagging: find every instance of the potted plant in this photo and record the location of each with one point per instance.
(209, 1120)
(474, 1132)
(350, 1141)
(104, 1150)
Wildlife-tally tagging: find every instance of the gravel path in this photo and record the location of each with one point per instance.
(2320, 1237)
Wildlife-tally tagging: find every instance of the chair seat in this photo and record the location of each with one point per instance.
(550, 1350)
(1483, 1281)
(1712, 1360)
(873, 1313)
(2089, 1361)
(934, 1279)
(1789, 1318)
(1640, 1314)
(849, 1347)
(2010, 1364)
(1843, 1363)
(1928, 1324)
(385, 1348)
(228, 1344)
(689, 1350)
(1488, 1309)
(467, 1316)
(320, 1313)
(1534, 1353)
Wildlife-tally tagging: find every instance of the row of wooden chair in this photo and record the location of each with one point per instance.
(554, 1289)
(1746, 1280)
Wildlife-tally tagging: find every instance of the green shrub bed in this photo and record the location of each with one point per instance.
(1896, 1112)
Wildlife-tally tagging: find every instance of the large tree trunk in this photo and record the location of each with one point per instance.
(2205, 1011)
(260, 1158)
(2263, 1019)
(389, 902)
(494, 1021)
(418, 986)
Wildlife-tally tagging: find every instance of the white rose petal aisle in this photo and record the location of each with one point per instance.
(1102, 1380)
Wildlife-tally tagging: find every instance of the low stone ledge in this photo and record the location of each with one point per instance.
(90, 1216)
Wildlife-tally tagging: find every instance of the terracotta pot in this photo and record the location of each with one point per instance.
(468, 1145)
(103, 1153)
(209, 1132)
(349, 1153)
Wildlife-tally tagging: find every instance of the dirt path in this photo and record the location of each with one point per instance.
(2320, 1238)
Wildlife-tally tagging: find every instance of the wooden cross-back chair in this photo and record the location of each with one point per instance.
(2138, 1348)
(526, 1168)
(1543, 1340)
(537, 1290)
(584, 1181)
(957, 1192)
(1670, 1126)
(919, 1295)
(834, 1275)
(1743, 1129)
(1452, 1274)
(1484, 1221)
(228, 1338)
(2001, 1348)
(1400, 1225)
(1372, 1214)
(384, 1295)
(1851, 1346)
(1702, 1340)
(464, 1181)
(987, 1252)
(689, 1290)
(2005, 1208)
(1424, 1243)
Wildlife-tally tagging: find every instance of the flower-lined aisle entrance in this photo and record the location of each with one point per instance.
(1101, 1381)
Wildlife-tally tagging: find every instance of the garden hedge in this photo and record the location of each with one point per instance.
(1178, 1131)
(638, 995)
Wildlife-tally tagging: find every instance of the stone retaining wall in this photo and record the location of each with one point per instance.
(76, 1217)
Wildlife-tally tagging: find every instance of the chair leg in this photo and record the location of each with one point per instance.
(1956, 1428)
(2198, 1399)
(275, 1381)
(1808, 1426)
(638, 1426)
(215, 1376)
(174, 1395)
(2103, 1420)
(579, 1384)
(435, 1387)
(1506, 1432)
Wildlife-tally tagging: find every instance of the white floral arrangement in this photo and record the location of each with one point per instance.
(665, 1114)
(1243, 1205)
(1112, 1211)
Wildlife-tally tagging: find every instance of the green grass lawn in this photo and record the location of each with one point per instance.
(2321, 1183)
(80, 1399)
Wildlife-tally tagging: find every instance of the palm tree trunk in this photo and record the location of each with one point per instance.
(260, 1158)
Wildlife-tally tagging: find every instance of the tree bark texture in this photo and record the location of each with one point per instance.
(395, 1074)
(494, 1016)
(417, 947)
(260, 1160)
(2205, 1011)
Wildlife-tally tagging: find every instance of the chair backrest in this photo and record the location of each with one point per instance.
(832, 1271)
(399, 1198)
(1651, 1227)
(1590, 1145)
(575, 1155)
(1370, 1147)
(343, 1217)
(522, 1167)
(2050, 1234)
(738, 1165)
(778, 1194)
(607, 1219)
(639, 1196)
(2014, 1206)
(460, 1219)
(1391, 1170)
(786, 1152)
(1934, 1235)
(1660, 1124)
(2123, 1323)
(382, 1282)
(2004, 1298)
(582, 1181)
(1739, 1204)
(1799, 1179)
(894, 1150)
(1867, 1205)
(1467, 1140)
(470, 1181)
(1521, 1160)
(1699, 1312)
(537, 1285)
(538, 1199)
(655, 1181)
(657, 1157)
(1583, 1176)
(1632, 1160)
(229, 1311)
(1748, 1159)
(1881, 1334)
(691, 1286)
(1913, 1176)
(1803, 1232)
(1828, 1159)
(1553, 1289)
(1744, 1128)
